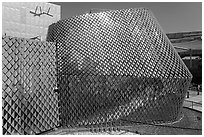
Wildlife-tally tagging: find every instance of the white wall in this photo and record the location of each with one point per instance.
(17, 21)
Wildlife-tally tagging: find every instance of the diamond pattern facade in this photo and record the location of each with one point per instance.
(110, 65)
(29, 76)
(116, 64)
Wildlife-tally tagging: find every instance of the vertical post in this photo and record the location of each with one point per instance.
(198, 89)
(187, 94)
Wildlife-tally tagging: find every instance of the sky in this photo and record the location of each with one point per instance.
(172, 16)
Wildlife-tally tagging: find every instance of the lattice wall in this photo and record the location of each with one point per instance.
(117, 64)
(29, 77)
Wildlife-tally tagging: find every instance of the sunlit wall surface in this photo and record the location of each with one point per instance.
(28, 19)
(117, 64)
(29, 105)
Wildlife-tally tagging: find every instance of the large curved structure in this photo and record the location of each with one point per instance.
(116, 64)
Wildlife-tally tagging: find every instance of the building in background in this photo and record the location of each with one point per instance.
(28, 19)
(189, 47)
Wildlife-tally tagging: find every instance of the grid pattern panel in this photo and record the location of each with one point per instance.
(29, 76)
(117, 64)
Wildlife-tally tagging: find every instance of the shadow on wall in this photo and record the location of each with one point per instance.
(196, 70)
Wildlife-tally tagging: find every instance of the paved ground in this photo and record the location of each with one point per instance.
(194, 101)
(87, 131)
(193, 95)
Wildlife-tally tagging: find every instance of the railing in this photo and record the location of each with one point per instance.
(192, 104)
